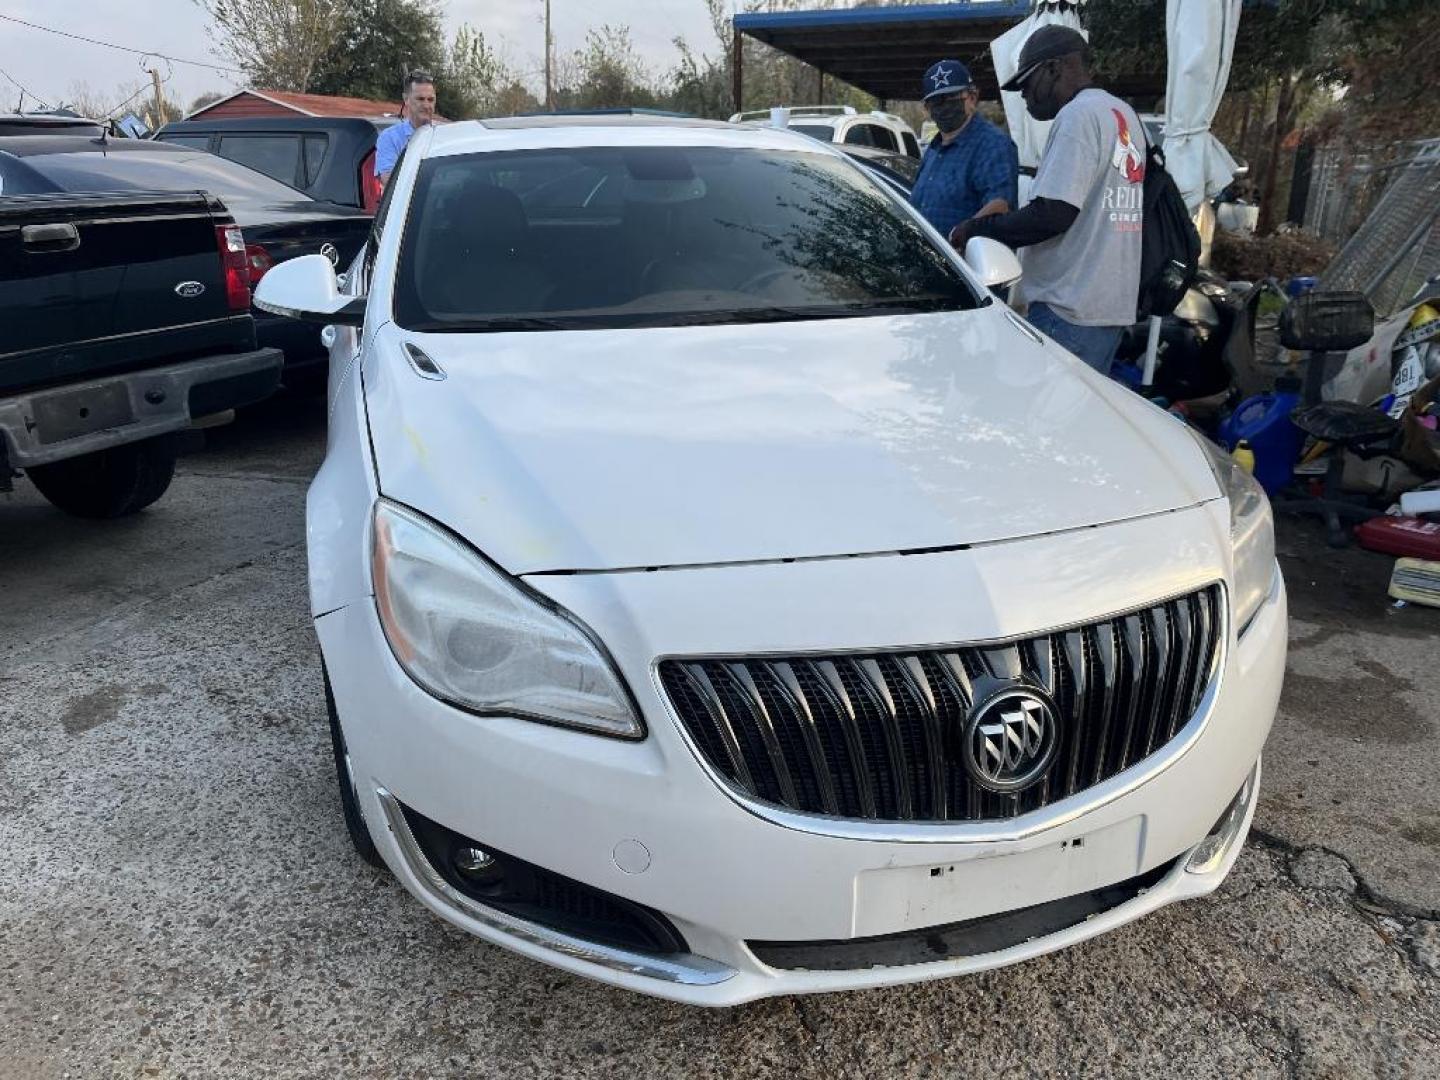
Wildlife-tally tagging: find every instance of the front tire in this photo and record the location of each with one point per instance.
(109, 483)
(349, 798)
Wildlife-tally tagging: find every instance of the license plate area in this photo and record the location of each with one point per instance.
(69, 414)
(913, 897)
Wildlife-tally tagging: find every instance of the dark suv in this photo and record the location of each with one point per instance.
(328, 158)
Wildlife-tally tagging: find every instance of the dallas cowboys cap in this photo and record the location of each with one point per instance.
(946, 77)
(1046, 43)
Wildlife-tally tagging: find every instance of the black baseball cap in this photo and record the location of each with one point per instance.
(1046, 43)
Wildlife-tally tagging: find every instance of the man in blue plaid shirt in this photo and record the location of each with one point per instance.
(970, 168)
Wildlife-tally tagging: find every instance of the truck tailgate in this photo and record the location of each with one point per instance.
(110, 281)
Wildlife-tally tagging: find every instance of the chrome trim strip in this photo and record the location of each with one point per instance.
(1058, 813)
(689, 970)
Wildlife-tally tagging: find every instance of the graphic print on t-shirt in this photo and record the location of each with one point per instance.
(1125, 199)
(1127, 157)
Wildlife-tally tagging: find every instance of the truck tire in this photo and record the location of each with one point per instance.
(109, 483)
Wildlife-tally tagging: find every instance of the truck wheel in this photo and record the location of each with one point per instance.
(109, 483)
(349, 800)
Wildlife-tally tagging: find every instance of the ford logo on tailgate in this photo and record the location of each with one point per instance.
(188, 289)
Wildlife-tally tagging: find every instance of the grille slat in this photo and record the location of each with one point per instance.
(914, 673)
(766, 726)
(810, 733)
(696, 674)
(1073, 643)
(872, 736)
(874, 681)
(859, 763)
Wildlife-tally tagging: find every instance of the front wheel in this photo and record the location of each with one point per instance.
(109, 483)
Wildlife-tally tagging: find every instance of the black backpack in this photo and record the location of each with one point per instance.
(1169, 244)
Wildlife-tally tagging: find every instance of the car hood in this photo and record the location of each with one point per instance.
(602, 450)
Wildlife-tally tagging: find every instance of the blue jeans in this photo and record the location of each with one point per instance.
(1094, 344)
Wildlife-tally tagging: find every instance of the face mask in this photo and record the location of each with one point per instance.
(948, 113)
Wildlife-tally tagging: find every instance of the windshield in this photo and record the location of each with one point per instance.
(823, 132)
(659, 236)
(136, 170)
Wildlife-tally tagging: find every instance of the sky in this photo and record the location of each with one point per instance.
(52, 67)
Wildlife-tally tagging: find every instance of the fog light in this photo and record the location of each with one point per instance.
(477, 865)
(1211, 851)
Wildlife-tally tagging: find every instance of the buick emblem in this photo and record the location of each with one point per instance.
(189, 289)
(330, 252)
(1010, 739)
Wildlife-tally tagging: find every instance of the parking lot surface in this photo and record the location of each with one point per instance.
(178, 897)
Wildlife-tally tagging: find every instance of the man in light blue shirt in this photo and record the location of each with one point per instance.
(419, 110)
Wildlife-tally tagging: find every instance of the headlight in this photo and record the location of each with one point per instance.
(1252, 534)
(473, 636)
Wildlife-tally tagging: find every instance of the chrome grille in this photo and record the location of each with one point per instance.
(868, 735)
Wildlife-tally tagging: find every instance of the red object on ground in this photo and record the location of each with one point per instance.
(1401, 536)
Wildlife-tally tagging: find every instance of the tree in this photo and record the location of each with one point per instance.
(276, 42)
(472, 79)
(378, 43)
(209, 98)
(606, 74)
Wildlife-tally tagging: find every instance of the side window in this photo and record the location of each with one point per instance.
(884, 138)
(315, 148)
(372, 243)
(911, 146)
(195, 142)
(859, 135)
(273, 155)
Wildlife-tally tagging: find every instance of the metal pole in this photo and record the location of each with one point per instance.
(549, 63)
(1152, 349)
(159, 99)
(737, 77)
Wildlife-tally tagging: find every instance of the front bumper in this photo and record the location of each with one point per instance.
(728, 874)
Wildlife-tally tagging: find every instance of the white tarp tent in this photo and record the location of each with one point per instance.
(1199, 42)
(1029, 134)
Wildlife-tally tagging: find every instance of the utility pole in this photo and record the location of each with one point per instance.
(549, 63)
(159, 98)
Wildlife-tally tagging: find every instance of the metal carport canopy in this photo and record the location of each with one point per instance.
(885, 50)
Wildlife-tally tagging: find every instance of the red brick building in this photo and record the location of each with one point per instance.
(253, 103)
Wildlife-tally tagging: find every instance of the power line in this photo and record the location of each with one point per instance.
(22, 89)
(122, 48)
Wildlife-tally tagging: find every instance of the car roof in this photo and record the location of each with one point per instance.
(279, 123)
(602, 118)
(36, 145)
(573, 132)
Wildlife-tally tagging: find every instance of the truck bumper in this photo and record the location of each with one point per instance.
(62, 422)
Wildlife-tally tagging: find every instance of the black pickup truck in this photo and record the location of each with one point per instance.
(124, 317)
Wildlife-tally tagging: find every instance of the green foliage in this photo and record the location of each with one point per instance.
(379, 41)
(605, 74)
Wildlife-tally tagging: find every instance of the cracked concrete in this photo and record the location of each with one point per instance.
(178, 898)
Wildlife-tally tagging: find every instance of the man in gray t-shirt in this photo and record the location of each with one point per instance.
(1082, 226)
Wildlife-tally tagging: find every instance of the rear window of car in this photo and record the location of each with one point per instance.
(196, 142)
(823, 132)
(911, 146)
(276, 156)
(153, 171)
(656, 236)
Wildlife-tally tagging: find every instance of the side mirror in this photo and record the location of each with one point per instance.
(996, 264)
(305, 289)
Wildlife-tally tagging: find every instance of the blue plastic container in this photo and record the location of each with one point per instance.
(1264, 422)
(1298, 286)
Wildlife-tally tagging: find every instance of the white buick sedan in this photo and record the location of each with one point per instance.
(723, 594)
